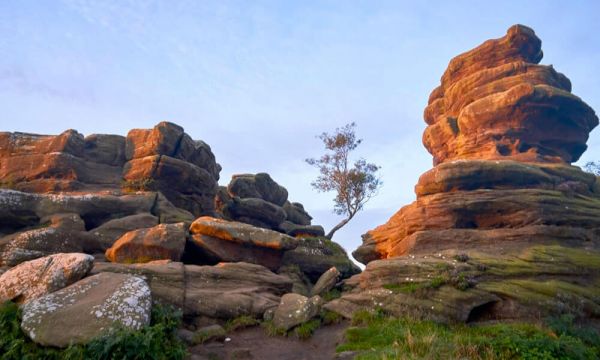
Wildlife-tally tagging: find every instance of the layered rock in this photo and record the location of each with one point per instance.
(223, 291)
(503, 131)
(260, 201)
(216, 240)
(495, 102)
(166, 159)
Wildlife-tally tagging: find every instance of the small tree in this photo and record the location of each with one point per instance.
(592, 167)
(354, 185)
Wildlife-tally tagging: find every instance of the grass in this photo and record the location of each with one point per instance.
(331, 295)
(241, 322)
(156, 341)
(380, 337)
(306, 330)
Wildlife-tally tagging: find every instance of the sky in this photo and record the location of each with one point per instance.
(258, 80)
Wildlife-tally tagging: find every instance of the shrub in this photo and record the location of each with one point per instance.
(156, 341)
(240, 322)
(133, 185)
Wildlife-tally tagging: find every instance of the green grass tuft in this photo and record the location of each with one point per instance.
(241, 322)
(305, 331)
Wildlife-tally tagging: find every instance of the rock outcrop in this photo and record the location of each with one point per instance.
(503, 131)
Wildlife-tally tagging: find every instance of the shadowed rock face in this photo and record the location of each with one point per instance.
(503, 225)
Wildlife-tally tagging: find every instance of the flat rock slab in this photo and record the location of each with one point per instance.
(242, 233)
(88, 309)
(35, 278)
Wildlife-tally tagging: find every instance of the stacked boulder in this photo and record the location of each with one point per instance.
(260, 201)
(503, 225)
(94, 230)
(166, 159)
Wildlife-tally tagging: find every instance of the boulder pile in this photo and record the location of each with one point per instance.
(95, 229)
(503, 225)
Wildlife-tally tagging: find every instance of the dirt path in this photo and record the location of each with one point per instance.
(253, 343)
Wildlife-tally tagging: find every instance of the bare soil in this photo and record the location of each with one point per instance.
(254, 343)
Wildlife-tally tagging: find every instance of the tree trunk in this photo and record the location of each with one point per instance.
(337, 227)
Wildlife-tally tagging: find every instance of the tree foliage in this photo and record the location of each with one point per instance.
(354, 183)
(592, 167)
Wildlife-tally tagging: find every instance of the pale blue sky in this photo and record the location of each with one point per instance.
(257, 80)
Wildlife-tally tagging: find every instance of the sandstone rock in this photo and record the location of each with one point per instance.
(527, 110)
(296, 214)
(62, 233)
(184, 184)
(242, 233)
(112, 230)
(204, 249)
(169, 213)
(165, 278)
(503, 227)
(302, 231)
(295, 309)
(35, 278)
(255, 209)
(300, 282)
(260, 186)
(326, 282)
(229, 290)
(164, 241)
(88, 309)
(314, 256)
(105, 149)
(163, 139)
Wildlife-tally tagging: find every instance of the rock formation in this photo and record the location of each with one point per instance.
(502, 196)
(144, 202)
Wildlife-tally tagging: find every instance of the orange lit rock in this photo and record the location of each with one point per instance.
(495, 102)
(164, 241)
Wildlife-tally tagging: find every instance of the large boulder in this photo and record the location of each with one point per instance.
(165, 278)
(326, 282)
(112, 230)
(295, 309)
(168, 160)
(260, 186)
(223, 291)
(35, 278)
(527, 110)
(161, 242)
(215, 240)
(255, 211)
(41, 163)
(88, 309)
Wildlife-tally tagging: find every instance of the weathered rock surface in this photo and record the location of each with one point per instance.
(260, 186)
(326, 282)
(503, 226)
(224, 291)
(112, 230)
(295, 309)
(35, 278)
(161, 242)
(229, 290)
(494, 102)
(215, 240)
(60, 233)
(168, 160)
(314, 256)
(88, 309)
